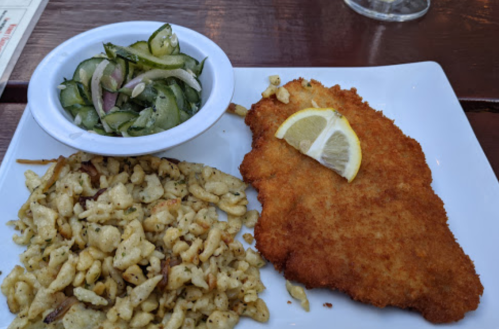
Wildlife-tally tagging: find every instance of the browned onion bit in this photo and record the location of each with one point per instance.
(82, 200)
(231, 108)
(60, 310)
(175, 261)
(212, 281)
(172, 160)
(165, 268)
(36, 162)
(89, 168)
(61, 161)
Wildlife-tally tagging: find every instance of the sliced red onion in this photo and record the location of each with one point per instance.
(109, 98)
(118, 75)
(163, 74)
(97, 92)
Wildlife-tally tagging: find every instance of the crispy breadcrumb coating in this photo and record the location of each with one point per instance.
(383, 239)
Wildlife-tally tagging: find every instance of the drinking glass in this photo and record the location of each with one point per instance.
(390, 10)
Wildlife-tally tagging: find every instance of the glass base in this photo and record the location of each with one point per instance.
(390, 10)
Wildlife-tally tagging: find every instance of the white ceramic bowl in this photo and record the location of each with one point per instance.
(217, 81)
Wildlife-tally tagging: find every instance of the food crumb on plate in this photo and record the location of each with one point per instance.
(237, 109)
(299, 293)
(248, 238)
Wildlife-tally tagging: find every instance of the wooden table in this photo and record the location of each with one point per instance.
(460, 35)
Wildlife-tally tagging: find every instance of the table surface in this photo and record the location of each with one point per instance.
(462, 36)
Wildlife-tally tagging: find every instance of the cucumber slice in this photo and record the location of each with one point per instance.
(167, 114)
(130, 106)
(73, 94)
(144, 120)
(200, 67)
(144, 124)
(163, 41)
(117, 118)
(85, 93)
(133, 132)
(194, 108)
(146, 97)
(136, 56)
(130, 71)
(191, 95)
(143, 132)
(85, 70)
(123, 128)
(122, 100)
(184, 116)
(172, 81)
(141, 46)
(74, 109)
(193, 64)
(179, 95)
(190, 63)
(89, 118)
(99, 129)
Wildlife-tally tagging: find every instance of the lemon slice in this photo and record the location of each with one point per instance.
(325, 135)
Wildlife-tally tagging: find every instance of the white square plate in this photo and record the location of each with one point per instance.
(420, 100)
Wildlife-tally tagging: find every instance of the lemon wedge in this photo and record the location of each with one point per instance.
(325, 135)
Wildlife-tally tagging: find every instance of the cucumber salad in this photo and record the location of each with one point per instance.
(144, 88)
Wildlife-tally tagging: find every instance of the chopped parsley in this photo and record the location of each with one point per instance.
(130, 210)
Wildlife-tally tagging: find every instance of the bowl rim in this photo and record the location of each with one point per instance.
(49, 115)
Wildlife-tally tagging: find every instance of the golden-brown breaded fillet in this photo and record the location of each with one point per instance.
(383, 239)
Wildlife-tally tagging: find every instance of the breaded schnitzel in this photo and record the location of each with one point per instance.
(383, 238)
